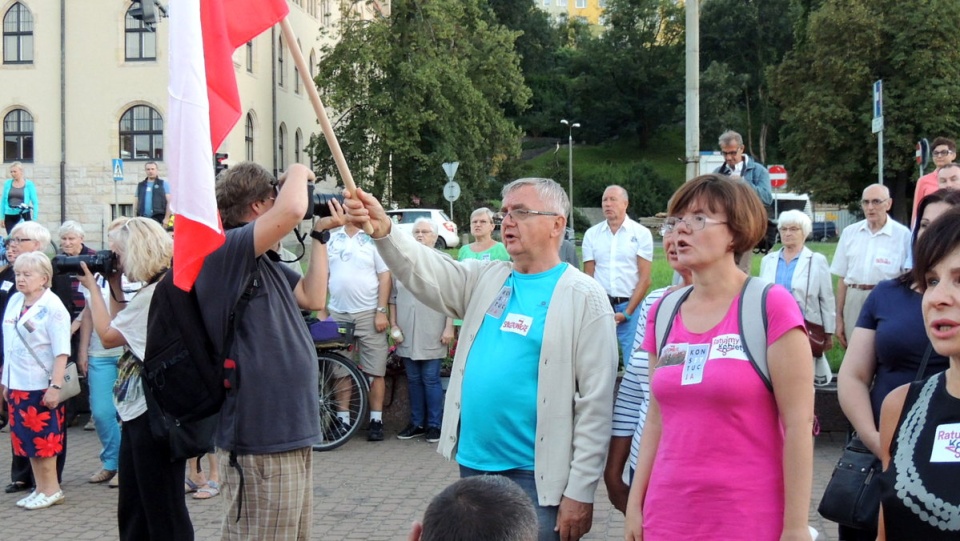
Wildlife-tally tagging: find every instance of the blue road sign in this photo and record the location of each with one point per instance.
(117, 170)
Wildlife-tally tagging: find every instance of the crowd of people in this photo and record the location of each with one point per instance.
(710, 434)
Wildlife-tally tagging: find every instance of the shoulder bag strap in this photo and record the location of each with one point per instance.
(667, 312)
(923, 363)
(30, 349)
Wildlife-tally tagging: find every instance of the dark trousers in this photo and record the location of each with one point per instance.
(846, 533)
(21, 472)
(150, 506)
(546, 516)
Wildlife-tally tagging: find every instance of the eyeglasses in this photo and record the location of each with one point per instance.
(942, 153)
(17, 240)
(873, 202)
(730, 153)
(697, 222)
(790, 229)
(519, 215)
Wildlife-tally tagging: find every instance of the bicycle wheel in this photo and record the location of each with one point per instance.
(343, 387)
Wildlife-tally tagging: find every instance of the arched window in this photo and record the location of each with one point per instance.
(281, 148)
(18, 136)
(313, 65)
(18, 35)
(248, 137)
(141, 134)
(249, 50)
(280, 61)
(296, 73)
(141, 42)
(297, 146)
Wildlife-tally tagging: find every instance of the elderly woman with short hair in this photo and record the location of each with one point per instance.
(483, 246)
(36, 346)
(25, 237)
(806, 275)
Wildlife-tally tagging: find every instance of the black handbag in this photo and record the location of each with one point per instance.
(852, 496)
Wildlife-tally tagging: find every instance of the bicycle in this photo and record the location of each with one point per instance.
(342, 387)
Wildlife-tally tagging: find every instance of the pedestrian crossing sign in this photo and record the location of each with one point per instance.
(117, 170)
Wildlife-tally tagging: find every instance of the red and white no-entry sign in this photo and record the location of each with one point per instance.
(778, 176)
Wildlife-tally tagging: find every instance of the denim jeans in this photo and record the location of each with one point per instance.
(546, 516)
(101, 374)
(426, 394)
(626, 332)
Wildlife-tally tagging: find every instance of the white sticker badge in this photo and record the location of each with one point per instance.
(517, 323)
(6, 286)
(499, 304)
(946, 443)
(694, 364)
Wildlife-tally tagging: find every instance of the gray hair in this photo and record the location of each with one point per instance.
(796, 217)
(428, 221)
(71, 226)
(549, 192)
(731, 137)
(623, 191)
(482, 210)
(33, 231)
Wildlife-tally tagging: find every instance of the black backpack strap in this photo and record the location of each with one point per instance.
(231, 376)
(753, 300)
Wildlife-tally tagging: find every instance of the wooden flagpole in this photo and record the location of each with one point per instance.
(331, 137)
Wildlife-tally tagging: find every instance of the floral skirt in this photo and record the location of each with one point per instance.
(35, 430)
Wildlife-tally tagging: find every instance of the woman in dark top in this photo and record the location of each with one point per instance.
(920, 422)
(887, 347)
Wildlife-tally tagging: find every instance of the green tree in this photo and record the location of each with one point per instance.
(426, 85)
(824, 88)
(740, 40)
(629, 80)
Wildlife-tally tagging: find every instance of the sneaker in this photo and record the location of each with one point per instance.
(102, 476)
(115, 482)
(335, 430)
(375, 431)
(433, 434)
(412, 431)
(24, 501)
(42, 501)
(89, 426)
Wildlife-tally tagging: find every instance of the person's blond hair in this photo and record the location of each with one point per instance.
(145, 249)
(36, 262)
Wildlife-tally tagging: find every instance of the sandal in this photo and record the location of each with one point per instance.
(102, 476)
(189, 486)
(211, 489)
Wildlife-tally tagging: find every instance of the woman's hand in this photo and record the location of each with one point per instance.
(364, 210)
(633, 525)
(51, 398)
(796, 534)
(87, 279)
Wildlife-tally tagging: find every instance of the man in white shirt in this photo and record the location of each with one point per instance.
(870, 251)
(618, 253)
(359, 291)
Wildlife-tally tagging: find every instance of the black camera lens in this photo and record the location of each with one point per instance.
(104, 262)
(318, 203)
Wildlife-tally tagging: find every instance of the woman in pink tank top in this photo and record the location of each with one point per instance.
(723, 457)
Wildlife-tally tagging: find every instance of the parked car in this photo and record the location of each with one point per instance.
(823, 231)
(447, 237)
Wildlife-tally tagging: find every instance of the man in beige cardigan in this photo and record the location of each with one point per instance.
(531, 390)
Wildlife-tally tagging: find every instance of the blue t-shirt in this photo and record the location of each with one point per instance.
(498, 420)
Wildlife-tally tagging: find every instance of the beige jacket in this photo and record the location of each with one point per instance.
(578, 362)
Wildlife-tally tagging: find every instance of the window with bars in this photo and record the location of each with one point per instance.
(282, 148)
(248, 137)
(18, 35)
(297, 146)
(141, 134)
(249, 50)
(18, 136)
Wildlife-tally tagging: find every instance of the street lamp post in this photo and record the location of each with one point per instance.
(570, 127)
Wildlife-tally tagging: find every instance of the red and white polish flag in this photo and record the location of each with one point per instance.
(204, 107)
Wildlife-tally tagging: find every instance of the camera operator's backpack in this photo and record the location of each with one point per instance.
(186, 381)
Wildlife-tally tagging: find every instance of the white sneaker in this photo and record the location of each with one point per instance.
(24, 501)
(42, 501)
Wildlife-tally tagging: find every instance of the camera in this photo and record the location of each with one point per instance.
(318, 203)
(104, 262)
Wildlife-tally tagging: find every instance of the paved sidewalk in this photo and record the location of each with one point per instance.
(369, 491)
